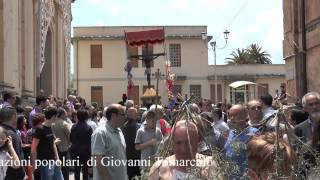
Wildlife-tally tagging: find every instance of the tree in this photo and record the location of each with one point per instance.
(240, 56)
(257, 55)
(253, 54)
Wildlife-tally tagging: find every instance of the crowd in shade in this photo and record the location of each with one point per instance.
(265, 138)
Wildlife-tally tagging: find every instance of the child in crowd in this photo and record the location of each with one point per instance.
(7, 153)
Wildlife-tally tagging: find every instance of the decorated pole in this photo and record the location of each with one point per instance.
(128, 69)
(158, 75)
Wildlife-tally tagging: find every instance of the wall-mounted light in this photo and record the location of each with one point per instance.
(204, 35)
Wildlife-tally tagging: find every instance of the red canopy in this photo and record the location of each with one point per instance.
(139, 38)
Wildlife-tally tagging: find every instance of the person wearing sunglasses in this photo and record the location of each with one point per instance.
(108, 146)
(254, 108)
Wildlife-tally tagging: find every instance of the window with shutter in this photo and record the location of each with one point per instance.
(96, 56)
(195, 90)
(134, 94)
(175, 55)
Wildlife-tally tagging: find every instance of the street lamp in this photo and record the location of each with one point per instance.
(214, 46)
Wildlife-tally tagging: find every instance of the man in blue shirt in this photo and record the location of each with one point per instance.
(238, 136)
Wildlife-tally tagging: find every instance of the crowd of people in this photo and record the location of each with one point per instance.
(260, 139)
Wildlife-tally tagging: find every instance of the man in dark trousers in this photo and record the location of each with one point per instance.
(130, 131)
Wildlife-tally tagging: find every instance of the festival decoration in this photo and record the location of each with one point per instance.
(128, 69)
(169, 81)
(145, 38)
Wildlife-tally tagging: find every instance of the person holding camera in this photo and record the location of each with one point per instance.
(7, 154)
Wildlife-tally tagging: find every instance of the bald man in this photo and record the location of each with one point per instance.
(185, 156)
(194, 108)
(238, 136)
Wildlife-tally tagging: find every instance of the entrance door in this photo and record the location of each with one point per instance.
(239, 95)
(134, 94)
(97, 95)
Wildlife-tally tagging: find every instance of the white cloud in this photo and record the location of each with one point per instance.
(100, 23)
(260, 21)
(269, 16)
(95, 1)
(273, 39)
(237, 40)
(215, 4)
(252, 29)
(113, 8)
(274, 32)
(182, 5)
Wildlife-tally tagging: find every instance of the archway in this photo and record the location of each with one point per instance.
(46, 74)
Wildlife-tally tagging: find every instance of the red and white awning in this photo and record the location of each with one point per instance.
(138, 38)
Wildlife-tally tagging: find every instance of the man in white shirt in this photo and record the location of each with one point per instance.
(268, 111)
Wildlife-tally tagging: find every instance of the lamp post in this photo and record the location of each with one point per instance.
(214, 46)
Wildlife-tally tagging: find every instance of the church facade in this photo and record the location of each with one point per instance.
(35, 46)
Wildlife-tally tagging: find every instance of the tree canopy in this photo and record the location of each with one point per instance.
(253, 54)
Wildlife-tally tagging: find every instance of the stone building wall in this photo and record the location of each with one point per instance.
(292, 47)
(20, 36)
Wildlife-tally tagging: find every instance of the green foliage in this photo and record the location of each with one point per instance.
(253, 54)
(224, 167)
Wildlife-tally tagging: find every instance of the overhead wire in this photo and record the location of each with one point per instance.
(233, 19)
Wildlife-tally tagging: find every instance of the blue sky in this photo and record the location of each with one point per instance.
(249, 21)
